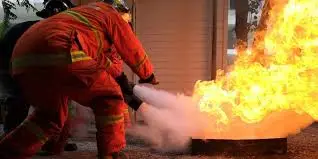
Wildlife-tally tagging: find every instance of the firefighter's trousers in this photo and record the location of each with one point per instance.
(48, 90)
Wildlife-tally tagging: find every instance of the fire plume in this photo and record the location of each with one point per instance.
(279, 73)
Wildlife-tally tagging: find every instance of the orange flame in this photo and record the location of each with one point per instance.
(286, 78)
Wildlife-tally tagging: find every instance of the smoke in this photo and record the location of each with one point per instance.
(81, 121)
(172, 120)
(81, 118)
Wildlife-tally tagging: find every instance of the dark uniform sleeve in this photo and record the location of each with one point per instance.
(7, 84)
(127, 88)
(9, 40)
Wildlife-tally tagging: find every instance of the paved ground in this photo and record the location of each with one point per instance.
(301, 146)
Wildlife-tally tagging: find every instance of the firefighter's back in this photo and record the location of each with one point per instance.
(81, 28)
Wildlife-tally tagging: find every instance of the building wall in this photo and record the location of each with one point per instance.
(177, 36)
(186, 40)
(220, 35)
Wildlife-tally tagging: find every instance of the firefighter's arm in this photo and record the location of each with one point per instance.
(130, 49)
(115, 69)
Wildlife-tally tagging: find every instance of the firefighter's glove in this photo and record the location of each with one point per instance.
(124, 84)
(132, 85)
(151, 80)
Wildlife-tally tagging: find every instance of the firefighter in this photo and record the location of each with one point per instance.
(54, 147)
(62, 57)
(15, 105)
(17, 108)
(58, 145)
(116, 71)
(16, 116)
(14, 98)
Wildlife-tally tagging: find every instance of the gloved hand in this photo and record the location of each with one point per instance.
(125, 86)
(132, 85)
(151, 80)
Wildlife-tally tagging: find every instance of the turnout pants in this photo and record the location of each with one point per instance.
(56, 145)
(48, 91)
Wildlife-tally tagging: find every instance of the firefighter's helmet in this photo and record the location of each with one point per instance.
(120, 5)
(52, 7)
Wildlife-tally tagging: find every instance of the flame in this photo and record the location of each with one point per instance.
(285, 78)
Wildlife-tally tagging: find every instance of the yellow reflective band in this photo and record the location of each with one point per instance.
(84, 20)
(109, 120)
(41, 60)
(79, 17)
(141, 62)
(49, 59)
(79, 56)
(36, 130)
(108, 63)
(126, 110)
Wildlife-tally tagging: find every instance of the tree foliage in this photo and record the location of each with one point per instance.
(8, 8)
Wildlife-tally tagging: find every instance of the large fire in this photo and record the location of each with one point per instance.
(269, 93)
(284, 79)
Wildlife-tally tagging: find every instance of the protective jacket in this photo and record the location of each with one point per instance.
(77, 35)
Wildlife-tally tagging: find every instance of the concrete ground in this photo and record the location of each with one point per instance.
(301, 146)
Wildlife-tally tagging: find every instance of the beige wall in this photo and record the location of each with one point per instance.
(216, 28)
(218, 17)
(177, 37)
